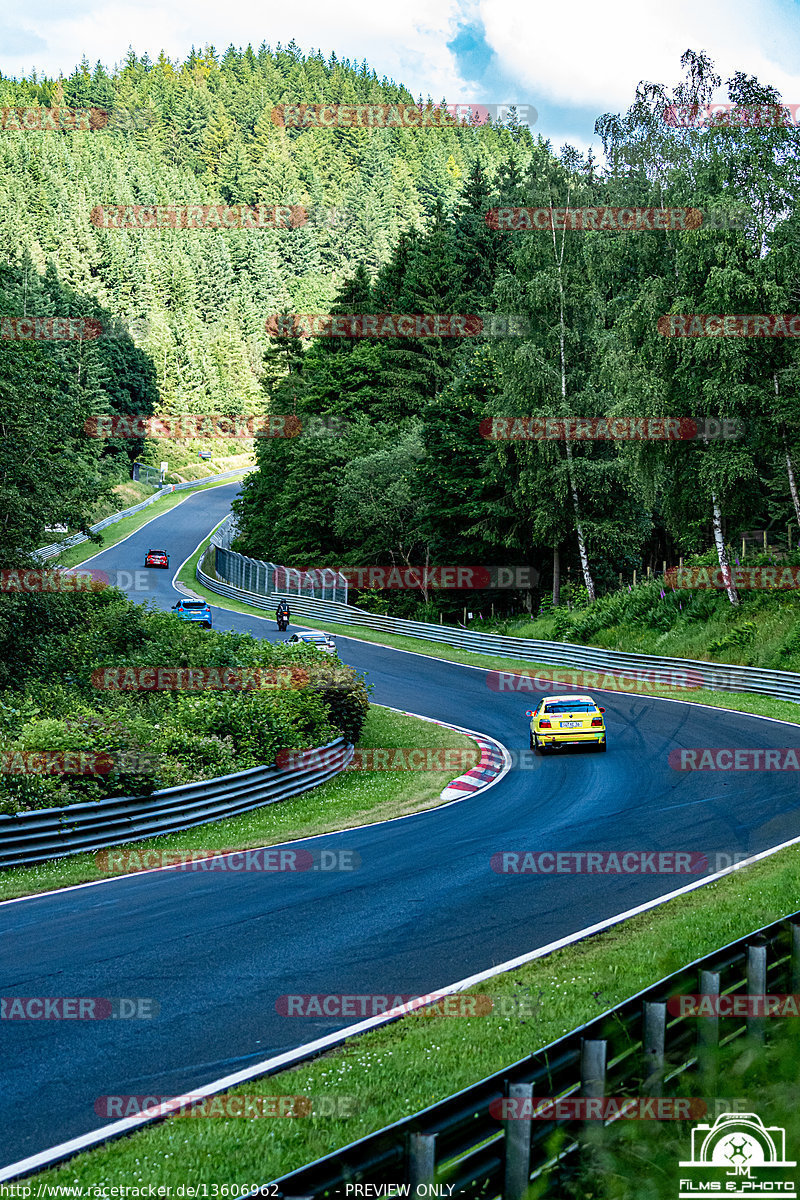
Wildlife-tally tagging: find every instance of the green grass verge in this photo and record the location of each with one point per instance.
(391, 1072)
(121, 529)
(351, 799)
(745, 702)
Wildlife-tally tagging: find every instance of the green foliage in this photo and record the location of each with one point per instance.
(154, 739)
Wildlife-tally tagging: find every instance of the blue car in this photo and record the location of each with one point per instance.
(193, 610)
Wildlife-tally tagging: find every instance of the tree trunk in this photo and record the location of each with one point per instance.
(722, 554)
(792, 481)
(584, 557)
(789, 465)
(556, 576)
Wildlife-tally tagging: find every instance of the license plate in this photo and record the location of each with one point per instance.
(570, 724)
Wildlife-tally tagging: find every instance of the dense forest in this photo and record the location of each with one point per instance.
(397, 223)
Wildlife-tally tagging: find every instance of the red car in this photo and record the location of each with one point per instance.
(156, 558)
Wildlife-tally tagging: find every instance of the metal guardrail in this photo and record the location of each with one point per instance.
(77, 539)
(270, 579)
(636, 1049)
(722, 677)
(33, 837)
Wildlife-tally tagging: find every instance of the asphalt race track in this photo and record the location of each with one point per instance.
(424, 909)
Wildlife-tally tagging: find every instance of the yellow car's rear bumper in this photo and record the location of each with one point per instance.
(565, 739)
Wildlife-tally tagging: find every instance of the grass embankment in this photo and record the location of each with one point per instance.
(391, 1072)
(762, 631)
(183, 459)
(351, 799)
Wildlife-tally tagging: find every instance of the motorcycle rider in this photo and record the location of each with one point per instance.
(282, 615)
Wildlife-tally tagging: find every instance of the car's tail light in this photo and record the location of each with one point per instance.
(545, 725)
(597, 720)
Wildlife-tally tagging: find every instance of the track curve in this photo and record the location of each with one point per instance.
(423, 910)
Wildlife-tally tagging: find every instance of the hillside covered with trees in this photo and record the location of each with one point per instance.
(397, 223)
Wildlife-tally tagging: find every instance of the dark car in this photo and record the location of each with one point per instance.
(193, 610)
(156, 558)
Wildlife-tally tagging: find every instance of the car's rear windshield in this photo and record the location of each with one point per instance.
(570, 708)
(156, 552)
(193, 604)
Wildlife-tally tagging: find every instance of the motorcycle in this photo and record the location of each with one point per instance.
(283, 623)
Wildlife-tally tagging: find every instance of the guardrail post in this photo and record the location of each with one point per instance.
(795, 973)
(708, 1031)
(653, 1041)
(517, 1135)
(593, 1086)
(756, 984)
(593, 1068)
(421, 1159)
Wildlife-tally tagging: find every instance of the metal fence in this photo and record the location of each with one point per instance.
(51, 551)
(143, 473)
(33, 837)
(271, 579)
(637, 1049)
(218, 565)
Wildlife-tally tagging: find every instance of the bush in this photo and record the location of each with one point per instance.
(191, 735)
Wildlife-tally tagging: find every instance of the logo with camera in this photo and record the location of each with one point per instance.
(738, 1156)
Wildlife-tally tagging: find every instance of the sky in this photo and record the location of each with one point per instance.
(570, 61)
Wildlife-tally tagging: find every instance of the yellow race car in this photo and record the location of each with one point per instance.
(566, 721)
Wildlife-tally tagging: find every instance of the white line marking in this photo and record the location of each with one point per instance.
(289, 1058)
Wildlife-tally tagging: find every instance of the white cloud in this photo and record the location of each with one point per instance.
(580, 53)
(571, 58)
(405, 41)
